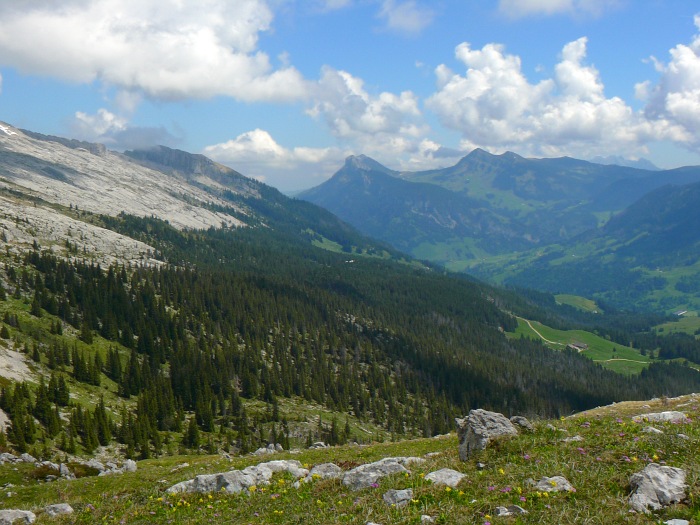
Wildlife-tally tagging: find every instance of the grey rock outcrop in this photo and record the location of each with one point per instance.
(365, 476)
(554, 484)
(656, 487)
(129, 466)
(398, 498)
(10, 516)
(677, 522)
(236, 481)
(446, 476)
(670, 416)
(65, 472)
(58, 509)
(325, 471)
(27, 458)
(479, 428)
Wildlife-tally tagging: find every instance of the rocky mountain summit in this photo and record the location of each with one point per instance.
(101, 181)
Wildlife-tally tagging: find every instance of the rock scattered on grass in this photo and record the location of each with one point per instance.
(236, 481)
(522, 422)
(656, 487)
(670, 416)
(10, 516)
(554, 484)
(325, 471)
(368, 475)
(479, 428)
(510, 510)
(446, 476)
(58, 509)
(398, 498)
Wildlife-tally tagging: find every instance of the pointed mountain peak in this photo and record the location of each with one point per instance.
(365, 163)
(479, 153)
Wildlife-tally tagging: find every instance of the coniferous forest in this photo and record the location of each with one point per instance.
(234, 316)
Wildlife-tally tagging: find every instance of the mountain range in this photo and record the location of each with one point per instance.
(539, 223)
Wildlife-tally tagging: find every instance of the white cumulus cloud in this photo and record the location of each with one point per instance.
(257, 154)
(520, 8)
(494, 105)
(406, 16)
(166, 49)
(675, 99)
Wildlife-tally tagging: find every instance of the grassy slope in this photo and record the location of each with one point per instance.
(612, 447)
(623, 359)
(587, 305)
(688, 324)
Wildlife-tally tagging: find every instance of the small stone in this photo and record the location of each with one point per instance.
(652, 430)
(398, 498)
(58, 509)
(446, 476)
(554, 484)
(427, 519)
(677, 522)
(572, 439)
(511, 510)
(10, 516)
(522, 422)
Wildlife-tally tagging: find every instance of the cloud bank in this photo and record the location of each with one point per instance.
(494, 105)
(165, 49)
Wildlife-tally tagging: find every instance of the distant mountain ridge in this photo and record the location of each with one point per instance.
(498, 215)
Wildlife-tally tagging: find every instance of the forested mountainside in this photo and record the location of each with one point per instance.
(248, 315)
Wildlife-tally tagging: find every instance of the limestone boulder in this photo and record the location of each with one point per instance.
(445, 476)
(670, 416)
(325, 471)
(480, 428)
(554, 484)
(12, 516)
(657, 486)
(366, 476)
(58, 509)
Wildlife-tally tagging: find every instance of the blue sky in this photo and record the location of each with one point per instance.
(284, 90)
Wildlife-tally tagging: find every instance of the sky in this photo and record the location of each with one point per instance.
(284, 90)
